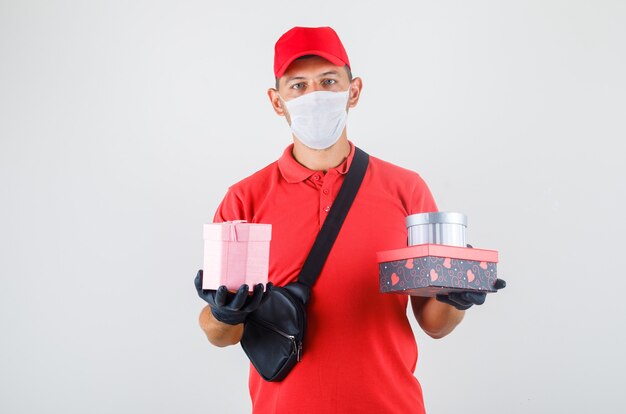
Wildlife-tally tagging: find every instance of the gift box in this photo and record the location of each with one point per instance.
(236, 252)
(431, 269)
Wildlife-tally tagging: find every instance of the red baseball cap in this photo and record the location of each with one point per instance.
(300, 41)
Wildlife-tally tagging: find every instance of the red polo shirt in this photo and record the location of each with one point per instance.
(359, 351)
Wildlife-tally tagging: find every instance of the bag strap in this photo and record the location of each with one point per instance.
(330, 229)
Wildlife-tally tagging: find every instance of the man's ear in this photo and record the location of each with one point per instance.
(275, 101)
(356, 86)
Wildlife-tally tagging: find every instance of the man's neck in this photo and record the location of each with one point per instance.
(322, 160)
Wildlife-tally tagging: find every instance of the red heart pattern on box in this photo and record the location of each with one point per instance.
(436, 274)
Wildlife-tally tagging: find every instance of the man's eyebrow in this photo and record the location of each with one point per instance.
(330, 72)
(294, 78)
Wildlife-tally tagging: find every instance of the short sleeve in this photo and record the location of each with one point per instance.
(422, 200)
(231, 208)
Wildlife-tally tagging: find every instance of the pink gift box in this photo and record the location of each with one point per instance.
(236, 252)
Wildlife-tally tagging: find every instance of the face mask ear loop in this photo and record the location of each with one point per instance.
(283, 105)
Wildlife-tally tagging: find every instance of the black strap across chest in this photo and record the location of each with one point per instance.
(330, 229)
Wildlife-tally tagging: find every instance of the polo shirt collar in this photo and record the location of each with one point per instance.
(294, 172)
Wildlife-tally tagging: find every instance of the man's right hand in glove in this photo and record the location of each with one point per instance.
(231, 308)
(222, 320)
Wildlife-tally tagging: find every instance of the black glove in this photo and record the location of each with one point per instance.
(465, 300)
(232, 308)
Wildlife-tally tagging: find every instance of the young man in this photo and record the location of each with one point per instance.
(359, 351)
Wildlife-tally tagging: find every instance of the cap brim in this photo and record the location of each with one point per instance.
(331, 58)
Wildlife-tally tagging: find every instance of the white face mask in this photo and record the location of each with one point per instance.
(318, 118)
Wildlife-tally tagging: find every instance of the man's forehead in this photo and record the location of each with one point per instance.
(313, 66)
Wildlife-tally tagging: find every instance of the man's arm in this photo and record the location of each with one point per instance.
(437, 319)
(219, 333)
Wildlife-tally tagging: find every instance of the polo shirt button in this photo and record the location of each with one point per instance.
(327, 209)
(325, 191)
(316, 177)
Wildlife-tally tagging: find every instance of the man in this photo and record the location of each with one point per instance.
(359, 351)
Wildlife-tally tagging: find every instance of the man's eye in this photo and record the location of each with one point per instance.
(330, 81)
(297, 86)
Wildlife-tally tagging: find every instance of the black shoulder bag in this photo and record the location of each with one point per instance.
(273, 334)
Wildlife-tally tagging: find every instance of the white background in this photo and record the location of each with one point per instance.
(122, 123)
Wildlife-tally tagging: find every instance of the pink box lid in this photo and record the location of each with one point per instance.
(439, 250)
(238, 230)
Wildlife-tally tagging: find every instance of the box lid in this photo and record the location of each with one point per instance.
(436, 217)
(439, 250)
(238, 230)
